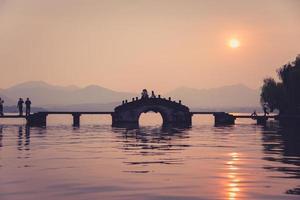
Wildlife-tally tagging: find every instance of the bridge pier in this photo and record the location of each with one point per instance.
(76, 119)
(261, 120)
(37, 119)
(223, 118)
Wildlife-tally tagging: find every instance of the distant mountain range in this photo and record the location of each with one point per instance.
(7, 100)
(223, 97)
(45, 95)
(95, 97)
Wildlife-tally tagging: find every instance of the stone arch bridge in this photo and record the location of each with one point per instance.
(128, 114)
(173, 113)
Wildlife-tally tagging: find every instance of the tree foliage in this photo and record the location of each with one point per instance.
(271, 94)
(284, 95)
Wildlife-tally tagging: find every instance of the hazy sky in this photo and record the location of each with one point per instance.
(129, 44)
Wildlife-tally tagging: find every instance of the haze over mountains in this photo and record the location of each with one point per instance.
(95, 97)
(223, 97)
(46, 95)
(7, 100)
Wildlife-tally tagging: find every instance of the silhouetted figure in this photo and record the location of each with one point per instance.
(254, 114)
(20, 106)
(1, 107)
(28, 106)
(145, 94)
(153, 95)
(265, 108)
(1, 136)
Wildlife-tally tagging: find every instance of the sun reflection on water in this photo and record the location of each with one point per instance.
(233, 179)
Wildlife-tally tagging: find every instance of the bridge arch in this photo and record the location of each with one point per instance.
(173, 113)
(154, 109)
(150, 119)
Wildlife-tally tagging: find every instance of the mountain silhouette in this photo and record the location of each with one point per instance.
(223, 97)
(7, 101)
(92, 97)
(44, 94)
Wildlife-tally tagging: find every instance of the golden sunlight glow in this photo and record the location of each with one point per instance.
(234, 43)
(232, 185)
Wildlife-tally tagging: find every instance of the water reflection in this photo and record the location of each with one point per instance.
(23, 139)
(281, 144)
(1, 136)
(233, 188)
(153, 138)
(154, 144)
(152, 162)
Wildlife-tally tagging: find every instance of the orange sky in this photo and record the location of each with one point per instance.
(129, 44)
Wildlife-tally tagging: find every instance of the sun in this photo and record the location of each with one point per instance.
(234, 43)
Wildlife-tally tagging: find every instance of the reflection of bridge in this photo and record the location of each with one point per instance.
(128, 114)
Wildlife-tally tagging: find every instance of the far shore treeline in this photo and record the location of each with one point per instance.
(283, 95)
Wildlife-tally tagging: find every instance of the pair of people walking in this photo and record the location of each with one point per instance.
(27, 106)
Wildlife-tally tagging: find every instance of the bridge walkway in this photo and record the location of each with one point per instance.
(40, 118)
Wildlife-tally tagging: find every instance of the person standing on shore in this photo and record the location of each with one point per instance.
(28, 106)
(1, 107)
(20, 106)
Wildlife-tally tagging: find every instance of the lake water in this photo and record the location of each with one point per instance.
(96, 161)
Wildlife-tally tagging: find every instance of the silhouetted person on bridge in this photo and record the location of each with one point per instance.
(20, 106)
(153, 95)
(1, 107)
(28, 106)
(254, 114)
(265, 108)
(145, 94)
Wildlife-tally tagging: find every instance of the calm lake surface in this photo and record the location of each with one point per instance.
(96, 161)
